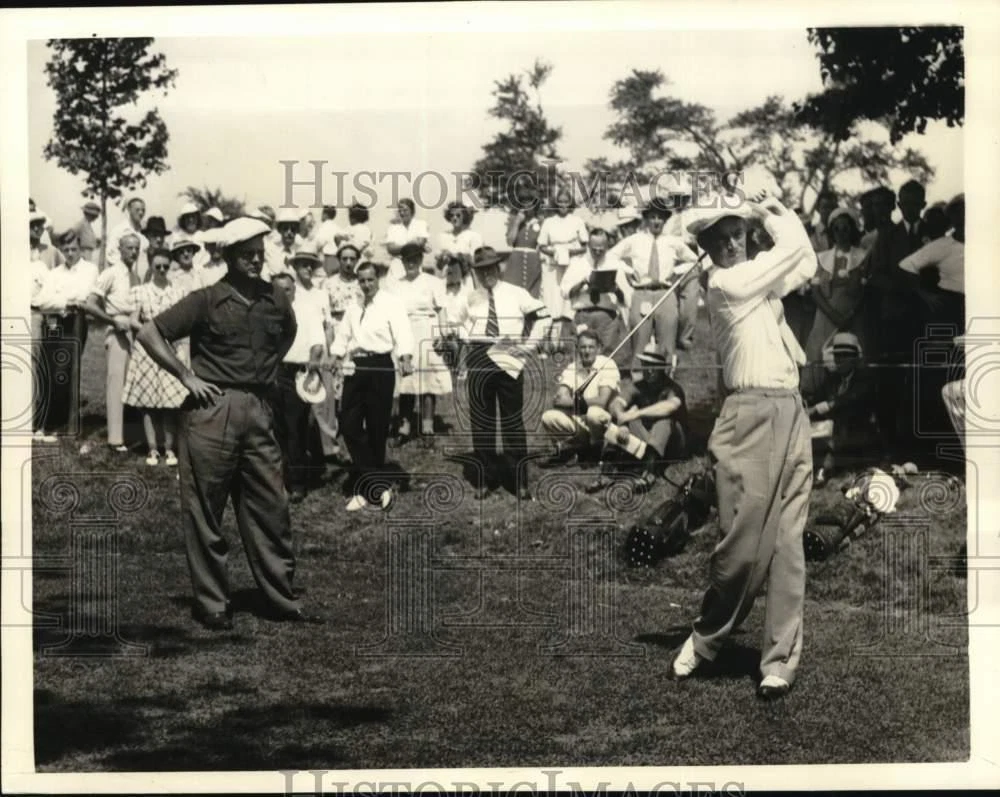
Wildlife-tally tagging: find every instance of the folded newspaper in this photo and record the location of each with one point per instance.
(508, 356)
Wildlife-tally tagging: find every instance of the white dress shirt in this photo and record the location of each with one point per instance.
(948, 255)
(310, 330)
(755, 344)
(63, 285)
(513, 303)
(381, 327)
(636, 250)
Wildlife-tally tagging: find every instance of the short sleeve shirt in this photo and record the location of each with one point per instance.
(235, 341)
(606, 376)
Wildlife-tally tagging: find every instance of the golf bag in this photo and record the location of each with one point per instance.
(666, 531)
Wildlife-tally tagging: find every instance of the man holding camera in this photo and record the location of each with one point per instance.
(761, 439)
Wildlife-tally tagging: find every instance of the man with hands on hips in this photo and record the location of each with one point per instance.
(240, 328)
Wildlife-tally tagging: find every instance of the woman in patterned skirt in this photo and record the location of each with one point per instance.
(423, 295)
(157, 393)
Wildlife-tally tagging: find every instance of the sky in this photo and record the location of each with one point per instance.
(418, 102)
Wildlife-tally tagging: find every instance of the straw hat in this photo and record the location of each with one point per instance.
(310, 387)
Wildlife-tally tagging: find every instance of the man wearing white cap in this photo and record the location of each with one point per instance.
(135, 212)
(240, 328)
(761, 440)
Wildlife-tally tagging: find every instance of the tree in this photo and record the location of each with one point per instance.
(96, 81)
(663, 133)
(526, 147)
(206, 198)
(899, 76)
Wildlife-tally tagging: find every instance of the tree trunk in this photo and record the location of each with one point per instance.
(104, 233)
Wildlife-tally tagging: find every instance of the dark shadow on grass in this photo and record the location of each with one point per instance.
(734, 660)
(242, 739)
(65, 728)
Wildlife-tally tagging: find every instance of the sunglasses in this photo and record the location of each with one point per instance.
(162, 268)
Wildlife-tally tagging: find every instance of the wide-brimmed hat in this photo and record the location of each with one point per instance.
(310, 387)
(180, 242)
(838, 212)
(307, 252)
(92, 206)
(486, 256)
(845, 343)
(349, 245)
(36, 216)
(714, 210)
(215, 213)
(650, 356)
(188, 209)
(155, 225)
(657, 204)
(212, 236)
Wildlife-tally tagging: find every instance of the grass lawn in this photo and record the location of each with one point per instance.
(528, 641)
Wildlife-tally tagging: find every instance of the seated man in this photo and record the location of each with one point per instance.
(580, 413)
(648, 422)
(845, 399)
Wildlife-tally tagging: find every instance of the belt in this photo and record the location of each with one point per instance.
(769, 392)
(368, 355)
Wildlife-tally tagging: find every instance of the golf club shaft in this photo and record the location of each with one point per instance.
(610, 358)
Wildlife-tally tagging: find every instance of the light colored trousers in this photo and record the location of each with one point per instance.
(763, 469)
(673, 322)
(228, 451)
(562, 426)
(119, 350)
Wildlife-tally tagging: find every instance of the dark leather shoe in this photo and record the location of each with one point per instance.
(216, 621)
(300, 616)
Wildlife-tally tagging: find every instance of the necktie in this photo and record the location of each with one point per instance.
(492, 323)
(654, 263)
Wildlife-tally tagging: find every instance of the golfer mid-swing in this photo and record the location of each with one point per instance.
(760, 442)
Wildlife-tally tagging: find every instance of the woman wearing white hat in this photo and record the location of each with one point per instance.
(838, 291)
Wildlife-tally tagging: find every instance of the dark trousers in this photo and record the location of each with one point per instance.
(57, 372)
(291, 420)
(494, 396)
(229, 450)
(366, 411)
